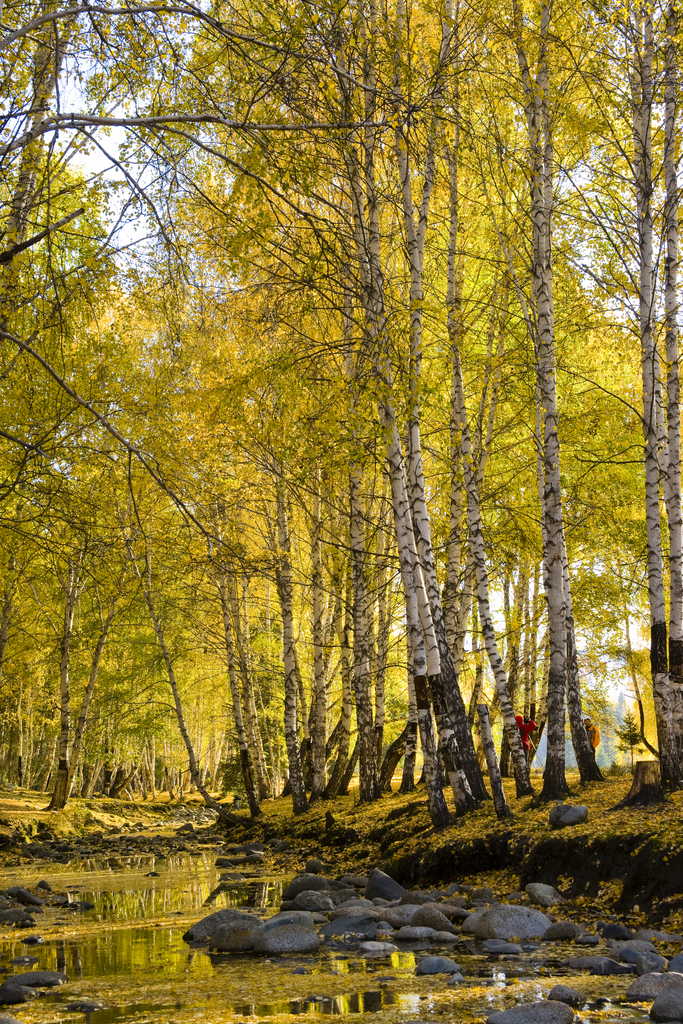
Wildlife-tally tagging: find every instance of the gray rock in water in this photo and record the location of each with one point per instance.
(22, 895)
(380, 884)
(562, 930)
(616, 931)
(668, 1005)
(353, 910)
(628, 952)
(204, 928)
(655, 936)
(586, 939)
(301, 917)
(347, 896)
(606, 965)
(397, 917)
(650, 985)
(309, 899)
(290, 938)
(562, 815)
(565, 994)
(542, 895)
(314, 866)
(429, 916)
(455, 979)
(582, 963)
(437, 965)
(305, 883)
(11, 995)
(363, 926)
(82, 1006)
(44, 885)
(414, 934)
(38, 979)
(548, 1012)
(235, 936)
(505, 921)
(500, 946)
(650, 963)
(377, 947)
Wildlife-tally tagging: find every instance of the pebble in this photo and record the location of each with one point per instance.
(547, 1012)
(565, 994)
(437, 965)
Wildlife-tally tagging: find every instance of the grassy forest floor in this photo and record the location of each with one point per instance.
(628, 862)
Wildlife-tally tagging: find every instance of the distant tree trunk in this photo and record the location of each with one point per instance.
(343, 624)
(383, 629)
(394, 753)
(284, 583)
(408, 778)
(245, 761)
(350, 769)
(319, 723)
(72, 592)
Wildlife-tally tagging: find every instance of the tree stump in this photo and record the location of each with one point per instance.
(646, 788)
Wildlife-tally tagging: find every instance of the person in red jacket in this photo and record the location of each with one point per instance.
(526, 726)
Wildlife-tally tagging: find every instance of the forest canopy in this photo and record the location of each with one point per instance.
(339, 395)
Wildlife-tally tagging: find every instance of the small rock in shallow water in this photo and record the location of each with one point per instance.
(565, 994)
(84, 1006)
(377, 947)
(33, 940)
(152, 874)
(586, 939)
(548, 1012)
(410, 934)
(301, 917)
(310, 899)
(616, 931)
(4, 1019)
(235, 936)
(11, 995)
(454, 980)
(437, 965)
(606, 965)
(543, 895)
(380, 884)
(362, 926)
(655, 936)
(561, 930)
(290, 938)
(300, 970)
(500, 946)
(44, 885)
(650, 963)
(429, 917)
(38, 979)
(24, 961)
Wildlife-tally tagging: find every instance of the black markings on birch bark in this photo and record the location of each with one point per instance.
(438, 810)
(499, 801)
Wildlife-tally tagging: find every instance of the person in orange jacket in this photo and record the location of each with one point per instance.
(526, 726)
(593, 735)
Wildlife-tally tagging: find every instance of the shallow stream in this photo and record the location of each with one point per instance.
(128, 953)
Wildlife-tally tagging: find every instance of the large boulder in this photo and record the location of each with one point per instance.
(650, 985)
(676, 963)
(429, 916)
(365, 927)
(290, 938)
(301, 917)
(315, 901)
(562, 815)
(380, 884)
(543, 895)
(548, 1012)
(505, 921)
(235, 936)
(305, 883)
(668, 1005)
(204, 928)
(437, 965)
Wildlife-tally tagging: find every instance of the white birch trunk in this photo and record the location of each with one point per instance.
(72, 591)
(642, 103)
(499, 802)
(319, 716)
(672, 476)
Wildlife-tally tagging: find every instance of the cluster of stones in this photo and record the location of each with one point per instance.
(377, 916)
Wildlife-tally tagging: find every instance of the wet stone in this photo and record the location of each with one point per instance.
(547, 1012)
(565, 994)
(500, 946)
(11, 995)
(562, 930)
(650, 985)
(290, 938)
(606, 965)
(381, 884)
(649, 963)
(668, 1005)
(437, 965)
(83, 1006)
